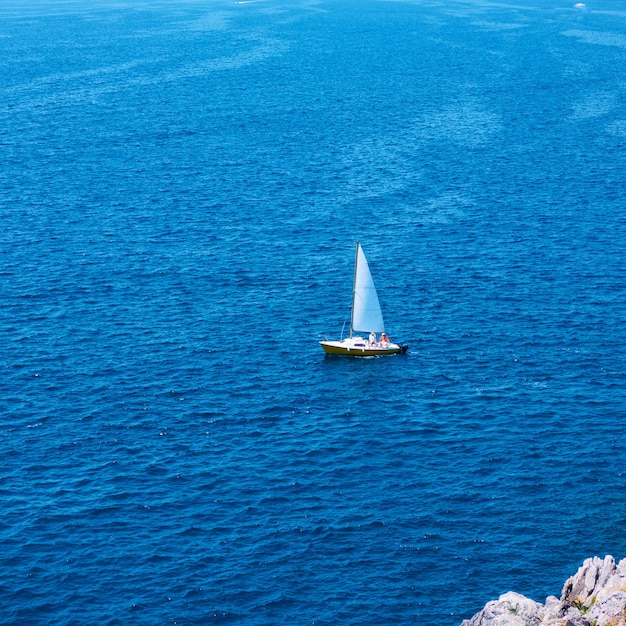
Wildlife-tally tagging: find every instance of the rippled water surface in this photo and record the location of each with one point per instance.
(181, 188)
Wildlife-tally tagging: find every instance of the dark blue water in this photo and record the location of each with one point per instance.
(181, 187)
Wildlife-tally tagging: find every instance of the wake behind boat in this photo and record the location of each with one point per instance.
(366, 317)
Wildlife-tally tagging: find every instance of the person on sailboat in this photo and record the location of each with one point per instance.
(384, 340)
(372, 338)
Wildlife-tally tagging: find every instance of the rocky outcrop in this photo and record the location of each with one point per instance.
(594, 596)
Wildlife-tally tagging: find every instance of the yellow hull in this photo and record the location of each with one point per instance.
(352, 348)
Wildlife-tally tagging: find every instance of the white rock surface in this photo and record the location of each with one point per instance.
(594, 596)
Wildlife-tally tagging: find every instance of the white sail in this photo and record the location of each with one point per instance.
(366, 314)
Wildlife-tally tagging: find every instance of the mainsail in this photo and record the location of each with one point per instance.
(366, 314)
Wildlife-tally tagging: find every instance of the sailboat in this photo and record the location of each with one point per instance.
(366, 318)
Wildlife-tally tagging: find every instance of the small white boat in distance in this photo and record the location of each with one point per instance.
(366, 318)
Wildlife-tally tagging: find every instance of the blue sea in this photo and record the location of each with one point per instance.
(182, 185)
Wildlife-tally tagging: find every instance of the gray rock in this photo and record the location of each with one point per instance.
(610, 611)
(594, 596)
(593, 575)
(512, 609)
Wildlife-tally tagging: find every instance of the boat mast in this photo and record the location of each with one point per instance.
(356, 260)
